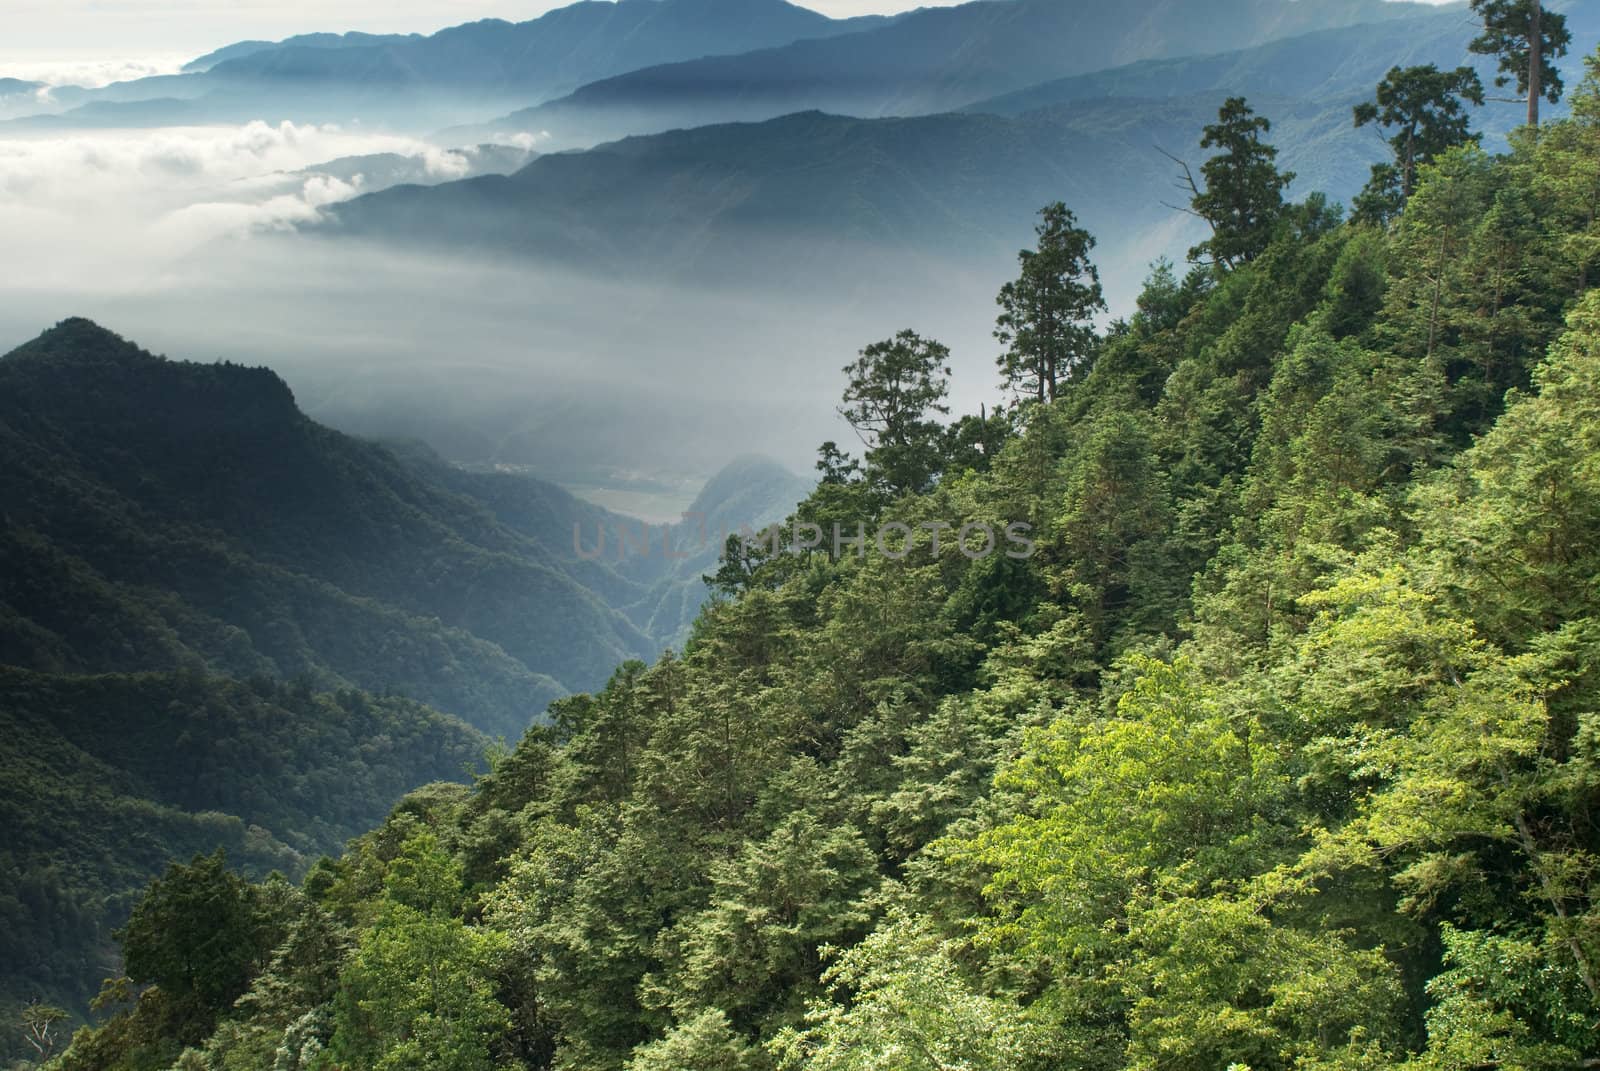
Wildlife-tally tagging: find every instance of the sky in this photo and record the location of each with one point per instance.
(156, 33)
(122, 38)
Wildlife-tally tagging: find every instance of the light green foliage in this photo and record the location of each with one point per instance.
(901, 1003)
(418, 990)
(705, 1043)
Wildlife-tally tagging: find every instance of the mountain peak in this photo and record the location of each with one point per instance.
(751, 484)
(83, 371)
(79, 338)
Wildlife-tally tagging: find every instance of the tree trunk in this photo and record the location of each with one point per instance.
(1535, 60)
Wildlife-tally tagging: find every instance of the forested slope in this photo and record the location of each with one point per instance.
(1280, 751)
(164, 513)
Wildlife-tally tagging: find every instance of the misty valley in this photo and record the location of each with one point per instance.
(712, 535)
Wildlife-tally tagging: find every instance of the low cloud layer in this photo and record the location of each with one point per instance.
(73, 206)
(89, 72)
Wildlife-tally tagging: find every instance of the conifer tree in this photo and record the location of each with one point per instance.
(1426, 110)
(1243, 196)
(1046, 312)
(1527, 38)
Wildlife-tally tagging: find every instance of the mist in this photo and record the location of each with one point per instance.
(185, 241)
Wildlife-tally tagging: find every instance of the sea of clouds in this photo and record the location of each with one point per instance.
(73, 205)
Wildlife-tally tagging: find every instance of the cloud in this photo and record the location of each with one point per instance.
(73, 205)
(90, 73)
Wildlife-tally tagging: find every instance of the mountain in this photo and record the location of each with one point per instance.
(654, 573)
(1276, 749)
(1328, 65)
(820, 205)
(213, 612)
(209, 524)
(931, 60)
(750, 493)
(353, 39)
(469, 70)
(375, 171)
(812, 199)
(18, 97)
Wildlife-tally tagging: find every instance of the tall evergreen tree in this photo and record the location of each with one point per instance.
(896, 387)
(1528, 38)
(1243, 195)
(1045, 312)
(1426, 109)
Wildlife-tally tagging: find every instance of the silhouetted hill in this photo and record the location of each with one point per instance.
(815, 203)
(353, 39)
(213, 525)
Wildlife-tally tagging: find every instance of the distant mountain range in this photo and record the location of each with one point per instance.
(241, 49)
(782, 202)
(460, 72)
(932, 60)
(640, 65)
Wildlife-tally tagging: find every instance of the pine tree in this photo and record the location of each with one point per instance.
(1425, 108)
(1046, 312)
(1527, 38)
(895, 389)
(1243, 196)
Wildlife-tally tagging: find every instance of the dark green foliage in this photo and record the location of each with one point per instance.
(1242, 198)
(204, 522)
(1510, 35)
(200, 933)
(1046, 314)
(1426, 109)
(893, 398)
(107, 778)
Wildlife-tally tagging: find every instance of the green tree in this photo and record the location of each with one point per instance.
(200, 933)
(1243, 196)
(1425, 109)
(1046, 313)
(704, 1043)
(895, 389)
(899, 1002)
(1527, 38)
(418, 991)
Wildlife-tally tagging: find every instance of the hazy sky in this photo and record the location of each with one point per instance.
(39, 30)
(161, 31)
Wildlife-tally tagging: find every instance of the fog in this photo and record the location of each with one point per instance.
(182, 239)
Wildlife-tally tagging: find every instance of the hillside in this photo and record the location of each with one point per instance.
(108, 778)
(212, 611)
(211, 524)
(1275, 748)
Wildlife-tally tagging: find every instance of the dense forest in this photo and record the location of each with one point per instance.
(1278, 751)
